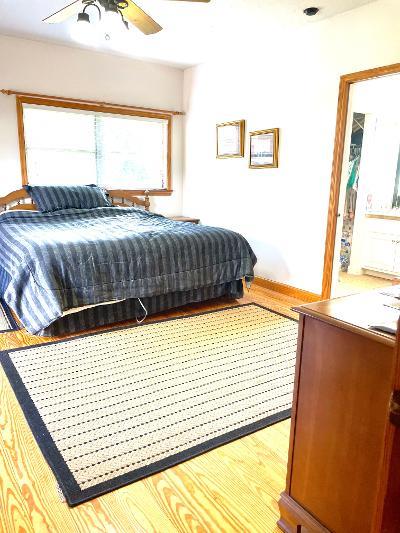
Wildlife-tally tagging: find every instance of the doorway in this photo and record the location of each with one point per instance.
(363, 234)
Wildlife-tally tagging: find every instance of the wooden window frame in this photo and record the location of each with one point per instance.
(100, 108)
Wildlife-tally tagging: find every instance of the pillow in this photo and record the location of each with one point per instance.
(54, 197)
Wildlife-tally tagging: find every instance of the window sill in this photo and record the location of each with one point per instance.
(152, 192)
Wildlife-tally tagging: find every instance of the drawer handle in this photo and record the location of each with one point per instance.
(394, 408)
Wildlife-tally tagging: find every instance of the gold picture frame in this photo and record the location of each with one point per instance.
(230, 139)
(264, 147)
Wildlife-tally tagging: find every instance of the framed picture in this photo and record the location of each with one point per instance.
(264, 145)
(230, 139)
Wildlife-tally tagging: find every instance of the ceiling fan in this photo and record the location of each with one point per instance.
(126, 9)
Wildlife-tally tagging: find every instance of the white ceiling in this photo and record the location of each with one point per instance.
(192, 31)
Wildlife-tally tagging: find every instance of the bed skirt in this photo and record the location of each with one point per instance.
(103, 315)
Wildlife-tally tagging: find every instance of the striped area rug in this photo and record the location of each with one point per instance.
(112, 407)
(7, 321)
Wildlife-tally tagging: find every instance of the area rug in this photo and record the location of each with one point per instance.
(113, 407)
(7, 321)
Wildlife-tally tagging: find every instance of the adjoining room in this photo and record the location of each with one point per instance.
(370, 182)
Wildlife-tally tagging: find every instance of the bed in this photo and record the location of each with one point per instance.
(74, 269)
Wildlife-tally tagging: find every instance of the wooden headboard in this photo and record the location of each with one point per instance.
(119, 197)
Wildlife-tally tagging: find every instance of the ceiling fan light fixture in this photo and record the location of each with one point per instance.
(111, 22)
(85, 32)
(83, 17)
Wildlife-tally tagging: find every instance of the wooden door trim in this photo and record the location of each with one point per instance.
(343, 103)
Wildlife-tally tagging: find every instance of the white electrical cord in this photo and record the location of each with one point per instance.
(139, 321)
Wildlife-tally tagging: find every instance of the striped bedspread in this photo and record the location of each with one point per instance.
(73, 258)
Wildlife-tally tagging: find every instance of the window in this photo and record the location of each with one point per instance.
(111, 148)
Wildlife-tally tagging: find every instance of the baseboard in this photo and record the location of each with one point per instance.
(288, 290)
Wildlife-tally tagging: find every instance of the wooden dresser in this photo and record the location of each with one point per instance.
(344, 456)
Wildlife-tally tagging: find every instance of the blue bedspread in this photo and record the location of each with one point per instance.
(72, 258)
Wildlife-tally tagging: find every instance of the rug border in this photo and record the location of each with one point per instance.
(70, 488)
(7, 311)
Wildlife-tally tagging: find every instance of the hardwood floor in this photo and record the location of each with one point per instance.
(354, 284)
(232, 488)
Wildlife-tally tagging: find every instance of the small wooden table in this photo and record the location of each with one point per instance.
(185, 219)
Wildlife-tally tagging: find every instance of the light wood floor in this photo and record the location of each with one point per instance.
(354, 283)
(232, 488)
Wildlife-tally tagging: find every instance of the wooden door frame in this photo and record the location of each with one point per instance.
(341, 119)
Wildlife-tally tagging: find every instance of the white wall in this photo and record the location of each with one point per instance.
(288, 81)
(43, 68)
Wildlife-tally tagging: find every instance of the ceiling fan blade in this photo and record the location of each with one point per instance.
(64, 13)
(136, 16)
